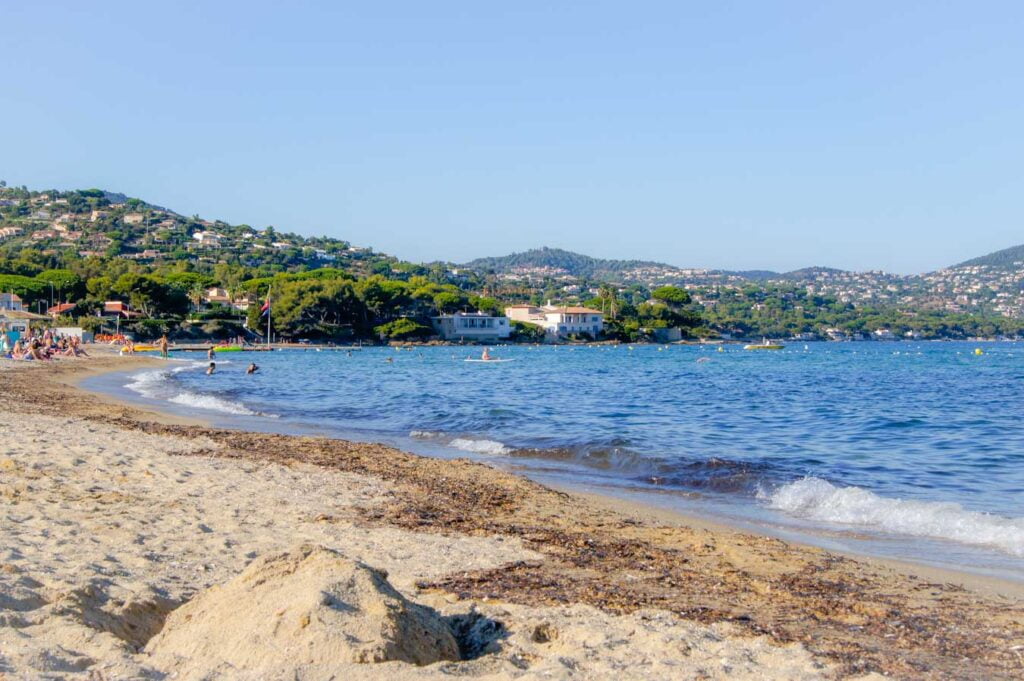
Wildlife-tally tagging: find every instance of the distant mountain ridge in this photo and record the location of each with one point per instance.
(585, 266)
(574, 264)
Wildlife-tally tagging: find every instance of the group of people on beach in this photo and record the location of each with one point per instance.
(42, 347)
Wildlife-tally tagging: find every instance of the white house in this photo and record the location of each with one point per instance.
(884, 334)
(472, 326)
(207, 238)
(559, 322)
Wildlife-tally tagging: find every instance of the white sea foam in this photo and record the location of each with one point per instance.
(210, 402)
(156, 385)
(427, 435)
(490, 447)
(820, 500)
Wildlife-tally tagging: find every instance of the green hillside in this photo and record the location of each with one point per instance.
(573, 264)
(1007, 257)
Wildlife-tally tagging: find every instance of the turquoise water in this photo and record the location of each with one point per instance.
(914, 450)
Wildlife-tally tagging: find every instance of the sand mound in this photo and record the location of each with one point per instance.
(309, 607)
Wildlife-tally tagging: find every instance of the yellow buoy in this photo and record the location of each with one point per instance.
(978, 351)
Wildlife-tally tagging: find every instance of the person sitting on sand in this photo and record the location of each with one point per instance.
(210, 369)
(35, 350)
(252, 368)
(76, 346)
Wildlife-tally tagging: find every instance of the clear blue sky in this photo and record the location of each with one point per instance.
(774, 135)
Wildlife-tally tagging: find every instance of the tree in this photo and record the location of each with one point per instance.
(447, 301)
(314, 307)
(67, 285)
(404, 329)
(671, 295)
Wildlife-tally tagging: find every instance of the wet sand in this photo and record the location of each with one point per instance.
(853, 615)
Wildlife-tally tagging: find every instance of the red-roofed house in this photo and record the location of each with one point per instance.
(118, 308)
(61, 308)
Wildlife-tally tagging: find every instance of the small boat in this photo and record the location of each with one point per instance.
(765, 344)
(227, 348)
(145, 348)
(488, 361)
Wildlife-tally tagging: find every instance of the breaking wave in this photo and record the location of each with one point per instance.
(159, 385)
(490, 447)
(817, 499)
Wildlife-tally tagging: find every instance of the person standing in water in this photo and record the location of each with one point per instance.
(210, 369)
(210, 355)
(162, 344)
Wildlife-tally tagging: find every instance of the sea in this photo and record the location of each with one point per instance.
(906, 450)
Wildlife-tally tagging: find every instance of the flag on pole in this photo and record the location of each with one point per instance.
(265, 310)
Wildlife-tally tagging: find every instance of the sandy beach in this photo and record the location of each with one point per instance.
(138, 545)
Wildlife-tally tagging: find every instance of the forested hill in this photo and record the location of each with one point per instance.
(52, 228)
(560, 261)
(1012, 257)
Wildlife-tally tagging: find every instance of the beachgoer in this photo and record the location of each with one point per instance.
(252, 368)
(210, 354)
(210, 369)
(163, 346)
(486, 354)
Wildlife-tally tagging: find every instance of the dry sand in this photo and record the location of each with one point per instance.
(135, 546)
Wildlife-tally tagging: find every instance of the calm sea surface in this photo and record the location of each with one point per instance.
(912, 450)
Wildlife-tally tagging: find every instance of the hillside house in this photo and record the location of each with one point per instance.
(133, 218)
(211, 239)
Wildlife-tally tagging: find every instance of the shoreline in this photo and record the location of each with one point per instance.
(856, 613)
(984, 583)
(991, 580)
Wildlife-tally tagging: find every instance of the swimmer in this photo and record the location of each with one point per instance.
(252, 368)
(213, 367)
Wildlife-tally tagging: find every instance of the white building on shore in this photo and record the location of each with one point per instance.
(472, 326)
(559, 322)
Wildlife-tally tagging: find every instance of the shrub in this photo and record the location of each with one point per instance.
(403, 329)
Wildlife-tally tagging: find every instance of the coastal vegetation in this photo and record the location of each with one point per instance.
(196, 278)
